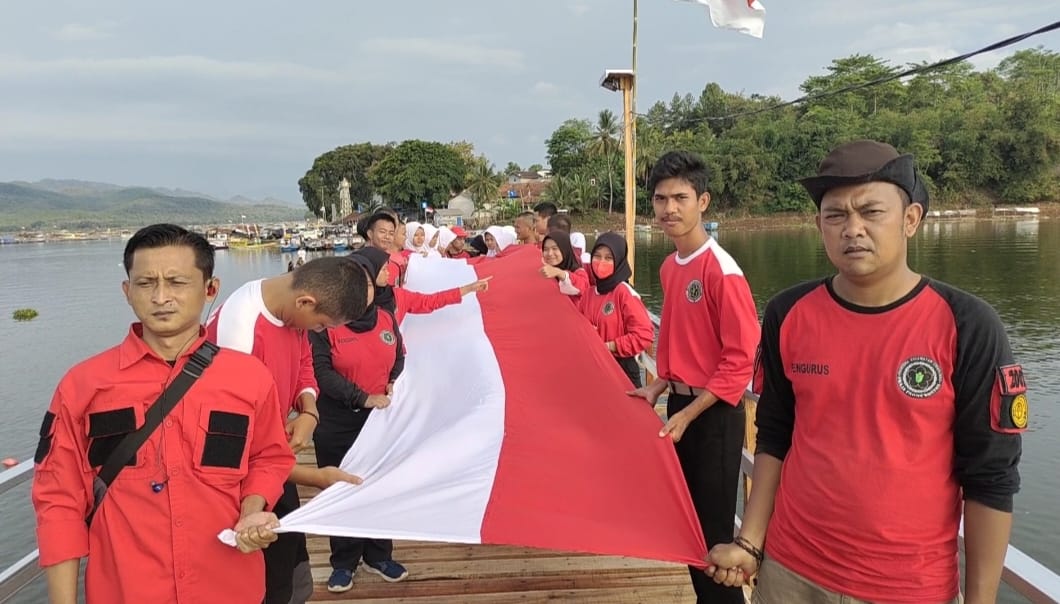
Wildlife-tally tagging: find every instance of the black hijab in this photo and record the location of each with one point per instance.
(570, 262)
(478, 243)
(377, 259)
(617, 244)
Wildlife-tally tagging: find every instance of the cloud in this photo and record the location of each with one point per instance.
(184, 65)
(579, 8)
(80, 32)
(544, 88)
(447, 50)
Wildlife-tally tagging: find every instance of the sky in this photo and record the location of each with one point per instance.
(237, 97)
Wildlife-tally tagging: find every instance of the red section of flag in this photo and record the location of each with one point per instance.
(581, 467)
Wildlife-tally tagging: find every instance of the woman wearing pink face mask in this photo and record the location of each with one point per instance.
(615, 308)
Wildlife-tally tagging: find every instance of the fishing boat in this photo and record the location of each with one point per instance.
(219, 241)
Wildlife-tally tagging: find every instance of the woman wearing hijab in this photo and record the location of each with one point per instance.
(497, 240)
(561, 264)
(477, 246)
(401, 301)
(356, 365)
(615, 308)
(430, 240)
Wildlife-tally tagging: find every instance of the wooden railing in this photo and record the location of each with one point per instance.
(1022, 573)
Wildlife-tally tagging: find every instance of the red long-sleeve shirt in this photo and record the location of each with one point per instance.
(410, 302)
(243, 323)
(709, 331)
(619, 316)
(219, 445)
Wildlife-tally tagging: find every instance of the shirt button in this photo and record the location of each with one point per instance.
(178, 522)
(180, 575)
(169, 423)
(174, 471)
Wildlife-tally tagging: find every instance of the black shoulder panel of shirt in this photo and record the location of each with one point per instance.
(776, 403)
(986, 461)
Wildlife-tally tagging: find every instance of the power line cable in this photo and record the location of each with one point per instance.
(883, 80)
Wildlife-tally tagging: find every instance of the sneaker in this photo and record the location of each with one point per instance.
(387, 569)
(340, 580)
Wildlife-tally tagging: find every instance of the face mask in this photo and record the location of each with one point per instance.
(603, 269)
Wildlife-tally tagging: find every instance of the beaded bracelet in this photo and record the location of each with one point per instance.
(746, 546)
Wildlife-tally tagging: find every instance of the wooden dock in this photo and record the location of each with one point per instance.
(449, 573)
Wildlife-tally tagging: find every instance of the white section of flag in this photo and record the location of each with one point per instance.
(745, 16)
(429, 459)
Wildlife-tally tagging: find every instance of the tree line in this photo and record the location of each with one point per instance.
(979, 136)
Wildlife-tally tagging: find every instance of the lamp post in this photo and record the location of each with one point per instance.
(623, 79)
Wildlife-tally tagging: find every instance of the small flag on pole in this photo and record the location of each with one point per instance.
(745, 16)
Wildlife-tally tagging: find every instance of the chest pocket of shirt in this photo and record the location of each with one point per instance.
(108, 422)
(222, 444)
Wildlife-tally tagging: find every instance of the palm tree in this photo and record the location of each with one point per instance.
(559, 190)
(605, 143)
(483, 183)
(584, 191)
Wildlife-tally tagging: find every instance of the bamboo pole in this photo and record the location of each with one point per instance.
(631, 193)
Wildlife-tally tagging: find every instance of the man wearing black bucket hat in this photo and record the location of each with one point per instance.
(886, 399)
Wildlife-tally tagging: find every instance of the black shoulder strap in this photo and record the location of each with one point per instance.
(166, 402)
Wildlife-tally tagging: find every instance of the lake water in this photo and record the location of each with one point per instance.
(1014, 265)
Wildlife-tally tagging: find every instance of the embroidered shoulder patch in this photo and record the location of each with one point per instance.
(387, 337)
(1009, 407)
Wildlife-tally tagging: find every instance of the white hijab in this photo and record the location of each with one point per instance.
(504, 238)
(577, 241)
(445, 237)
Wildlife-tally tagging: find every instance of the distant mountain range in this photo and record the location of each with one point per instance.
(80, 204)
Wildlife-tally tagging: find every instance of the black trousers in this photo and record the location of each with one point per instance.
(283, 555)
(710, 451)
(347, 552)
(632, 369)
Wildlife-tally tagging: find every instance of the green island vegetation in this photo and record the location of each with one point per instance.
(85, 205)
(980, 137)
(24, 314)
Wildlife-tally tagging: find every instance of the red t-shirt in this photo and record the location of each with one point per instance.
(619, 316)
(221, 444)
(898, 409)
(243, 323)
(709, 326)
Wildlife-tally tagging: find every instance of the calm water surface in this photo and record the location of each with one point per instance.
(1014, 265)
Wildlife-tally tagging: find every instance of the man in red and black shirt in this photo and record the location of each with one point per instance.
(707, 338)
(887, 399)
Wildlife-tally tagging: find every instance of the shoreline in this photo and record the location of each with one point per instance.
(602, 222)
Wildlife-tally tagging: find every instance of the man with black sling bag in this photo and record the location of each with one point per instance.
(174, 472)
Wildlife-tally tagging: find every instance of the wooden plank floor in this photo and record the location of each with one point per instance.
(449, 573)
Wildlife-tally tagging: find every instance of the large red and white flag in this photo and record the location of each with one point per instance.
(745, 16)
(510, 425)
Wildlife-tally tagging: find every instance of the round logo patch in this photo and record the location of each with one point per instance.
(1019, 411)
(919, 377)
(609, 308)
(694, 291)
(387, 337)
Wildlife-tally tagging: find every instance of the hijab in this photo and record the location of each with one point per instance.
(445, 237)
(570, 262)
(478, 244)
(367, 321)
(374, 259)
(429, 231)
(577, 241)
(503, 237)
(410, 233)
(617, 244)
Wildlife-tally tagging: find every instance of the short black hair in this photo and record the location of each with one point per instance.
(559, 222)
(529, 215)
(546, 208)
(365, 224)
(339, 285)
(164, 235)
(680, 164)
